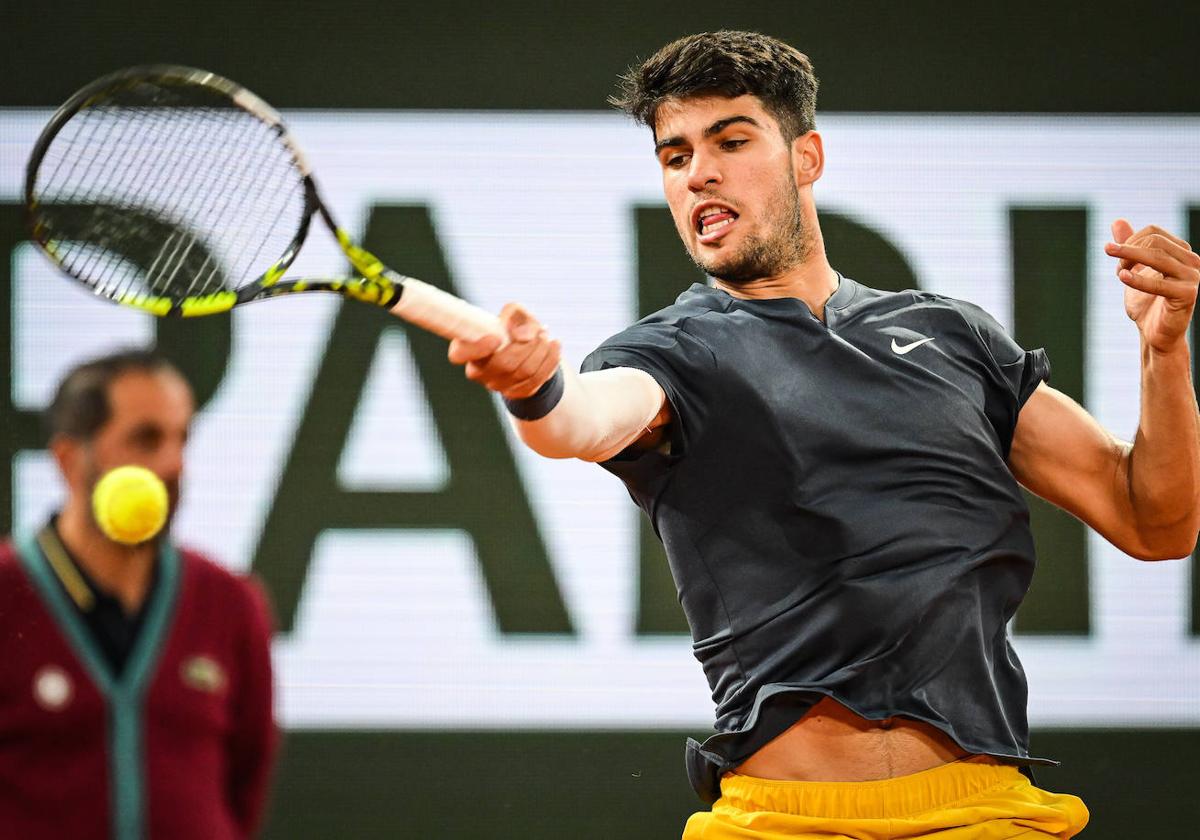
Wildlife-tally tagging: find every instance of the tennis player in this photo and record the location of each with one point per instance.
(835, 472)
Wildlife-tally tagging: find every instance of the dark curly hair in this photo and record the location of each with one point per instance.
(725, 63)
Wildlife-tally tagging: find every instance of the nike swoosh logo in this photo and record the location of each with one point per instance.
(901, 349)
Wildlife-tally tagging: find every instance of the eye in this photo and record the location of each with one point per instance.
(146, 438)
(677, 161)
(733, 145)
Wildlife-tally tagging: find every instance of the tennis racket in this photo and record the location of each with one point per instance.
(180, 192)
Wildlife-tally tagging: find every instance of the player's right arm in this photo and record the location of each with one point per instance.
(560, 413)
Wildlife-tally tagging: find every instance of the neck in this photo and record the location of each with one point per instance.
(812, 281)
(124, 571)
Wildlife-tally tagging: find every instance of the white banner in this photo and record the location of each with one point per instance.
(394, 627)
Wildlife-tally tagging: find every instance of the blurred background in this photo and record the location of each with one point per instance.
(478, 643)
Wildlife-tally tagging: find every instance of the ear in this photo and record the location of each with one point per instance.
(71, 455)
(808, 158)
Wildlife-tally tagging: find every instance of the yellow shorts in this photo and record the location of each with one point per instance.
(959, 801)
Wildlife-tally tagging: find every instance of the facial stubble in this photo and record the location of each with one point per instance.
(770, 255)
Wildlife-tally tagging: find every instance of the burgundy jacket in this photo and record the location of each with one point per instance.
(178, 747)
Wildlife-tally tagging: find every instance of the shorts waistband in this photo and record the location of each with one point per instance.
(885, 799)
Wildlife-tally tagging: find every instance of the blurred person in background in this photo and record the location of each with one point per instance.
(136, 688)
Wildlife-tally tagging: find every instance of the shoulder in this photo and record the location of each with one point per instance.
(865, 297)
(948, 310)
(696, 303)
(243, 594)
(207, 571)
(979, 324)
(972, 313)
(11, 573)
(17, 589)
(663, 329)
(667, 332)
(11, 566)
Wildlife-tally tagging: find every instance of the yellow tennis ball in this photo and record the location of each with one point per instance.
(130, 504)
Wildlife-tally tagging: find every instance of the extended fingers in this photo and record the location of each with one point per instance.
(1121, 230)
(1155, 230)
(462, 351)
(1150, 236)
(1164, 253)
(1181, 293)
(1123, 233)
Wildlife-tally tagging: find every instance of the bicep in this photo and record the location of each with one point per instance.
(1062, 454)
(658, 432)
(646, 406)
(599, 414)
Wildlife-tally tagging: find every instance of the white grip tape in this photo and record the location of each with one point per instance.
(444, 314)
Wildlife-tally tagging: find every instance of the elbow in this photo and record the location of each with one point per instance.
(1180, 552)
(562, 443)
(1161, 545)
(549, 449)
(551, 446)
(589, 454)
(1153, 556)
(1153, 537)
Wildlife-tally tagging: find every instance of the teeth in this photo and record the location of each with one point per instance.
(702, 224)
(710, 228)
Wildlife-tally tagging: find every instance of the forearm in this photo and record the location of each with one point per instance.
(1164, 462)
(599, 414)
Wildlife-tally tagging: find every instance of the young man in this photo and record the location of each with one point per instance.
(135, 698)
(835, 472)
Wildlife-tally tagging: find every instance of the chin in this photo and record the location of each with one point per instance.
(731, 270)
(717, 262)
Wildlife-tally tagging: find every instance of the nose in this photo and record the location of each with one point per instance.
(168, 461)
(703, 172)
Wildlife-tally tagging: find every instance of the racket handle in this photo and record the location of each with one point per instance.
(444, 314)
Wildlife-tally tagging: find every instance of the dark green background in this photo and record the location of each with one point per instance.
(1040, 57)
(871, 56)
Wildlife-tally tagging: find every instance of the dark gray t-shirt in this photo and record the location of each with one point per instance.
(837, 509)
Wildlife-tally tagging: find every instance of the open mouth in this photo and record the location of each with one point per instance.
(713, 220)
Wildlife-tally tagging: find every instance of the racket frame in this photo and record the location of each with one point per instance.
(377, 284)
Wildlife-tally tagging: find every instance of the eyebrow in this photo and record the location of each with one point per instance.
(715, 128)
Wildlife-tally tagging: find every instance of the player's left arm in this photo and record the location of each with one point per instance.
(1144, 496)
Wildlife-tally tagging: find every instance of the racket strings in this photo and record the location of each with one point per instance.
(131, 161)
(85, 259)
(101, 224)
(255, 202)
(188, 185)
(162, 179)
(167, 191)
(178, 265)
